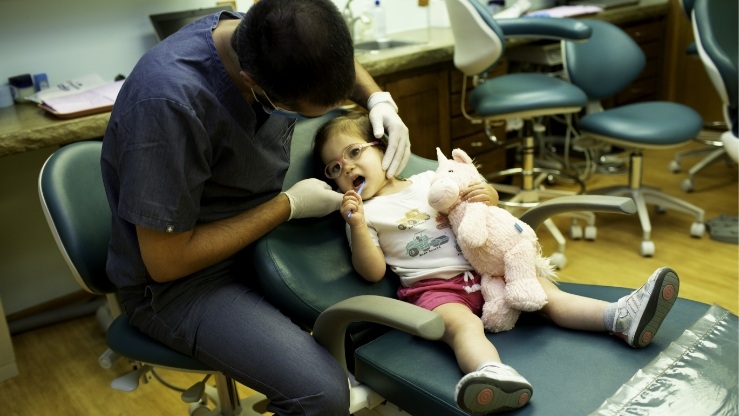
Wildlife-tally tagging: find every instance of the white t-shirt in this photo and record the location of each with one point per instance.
(417, 240)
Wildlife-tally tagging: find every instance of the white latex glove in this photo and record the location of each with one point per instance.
(383, 114)
(312, 198)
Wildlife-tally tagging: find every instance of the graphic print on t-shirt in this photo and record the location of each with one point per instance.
(422, 243)
(412, 218)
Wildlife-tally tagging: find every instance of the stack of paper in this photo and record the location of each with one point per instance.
(88, 94)
(565, 11)
(89, 101)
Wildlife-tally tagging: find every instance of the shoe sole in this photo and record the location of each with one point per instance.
(480, 397)
(660, 302)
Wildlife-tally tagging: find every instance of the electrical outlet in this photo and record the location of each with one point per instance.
(227, 3)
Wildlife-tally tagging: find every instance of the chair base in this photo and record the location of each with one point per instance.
(712, 152)
(643, 195)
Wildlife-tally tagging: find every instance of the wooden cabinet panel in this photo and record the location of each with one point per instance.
(422, 97)
(648, 86)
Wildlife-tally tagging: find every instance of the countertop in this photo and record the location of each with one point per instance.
(24, 127)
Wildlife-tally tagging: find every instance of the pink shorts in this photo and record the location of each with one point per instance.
(431, 293)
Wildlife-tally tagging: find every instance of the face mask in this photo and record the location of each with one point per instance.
(277, 111)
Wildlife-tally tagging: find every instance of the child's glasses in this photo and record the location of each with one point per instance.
(351, 153)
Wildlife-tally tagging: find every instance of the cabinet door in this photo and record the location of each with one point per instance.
(423, 104)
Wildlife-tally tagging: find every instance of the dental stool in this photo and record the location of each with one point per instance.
(609, 61)
(73, 200)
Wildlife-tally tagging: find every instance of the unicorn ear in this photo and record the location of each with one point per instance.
(461, 156)
(440, 156)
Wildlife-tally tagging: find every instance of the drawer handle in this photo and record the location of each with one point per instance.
(476, 144)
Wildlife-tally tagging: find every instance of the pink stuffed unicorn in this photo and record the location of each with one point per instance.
(501, 248)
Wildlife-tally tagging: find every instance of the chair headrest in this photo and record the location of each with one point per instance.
(478, 41)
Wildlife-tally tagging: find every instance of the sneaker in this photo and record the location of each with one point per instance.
(640, 314)
(493, 388)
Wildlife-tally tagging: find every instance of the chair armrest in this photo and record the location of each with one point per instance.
(330, 327)
(599, 203)
(537, 27)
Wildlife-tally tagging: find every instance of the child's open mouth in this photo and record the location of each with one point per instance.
(358, 181)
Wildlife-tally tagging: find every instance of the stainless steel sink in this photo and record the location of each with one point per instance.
(374, 45)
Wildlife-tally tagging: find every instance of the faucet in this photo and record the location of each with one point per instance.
(350, 20)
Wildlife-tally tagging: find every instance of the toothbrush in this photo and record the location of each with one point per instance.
(359, 191)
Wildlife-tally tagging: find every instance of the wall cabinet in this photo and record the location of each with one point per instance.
(422, 96)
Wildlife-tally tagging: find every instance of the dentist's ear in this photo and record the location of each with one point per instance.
(248, 80)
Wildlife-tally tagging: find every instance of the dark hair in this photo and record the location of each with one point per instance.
(352, 122)
(297, 50)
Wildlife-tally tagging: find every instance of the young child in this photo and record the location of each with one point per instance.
(389, 222)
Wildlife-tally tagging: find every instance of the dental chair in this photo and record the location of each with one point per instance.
(605, 64)
(73, 200)
(712, 137)
(479, 43)
(305, 269)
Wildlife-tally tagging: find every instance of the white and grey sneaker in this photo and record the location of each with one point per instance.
(494, 387)
(640, 314)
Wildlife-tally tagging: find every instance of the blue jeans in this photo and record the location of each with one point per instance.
(230, 326)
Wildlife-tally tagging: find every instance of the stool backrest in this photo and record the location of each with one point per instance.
(74, 203)
(604, 64)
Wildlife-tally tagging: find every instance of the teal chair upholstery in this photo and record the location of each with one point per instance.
(605, 64)
(305, 269)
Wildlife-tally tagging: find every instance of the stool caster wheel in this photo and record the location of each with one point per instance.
(591, 232)
(647, 249)
(697, 229)
(675, 166)
(686, 185)
(558, 260)
(199, 409)
(575, 231)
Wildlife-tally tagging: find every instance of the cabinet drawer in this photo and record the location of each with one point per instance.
(455, 105)
(462, 127)
(491, 162)
(646, 32)
(474, 144)
(638, 91)
(652, 50)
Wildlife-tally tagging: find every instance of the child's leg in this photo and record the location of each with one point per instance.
(465, 334)
(573, 311)
(488, 385)
(635, 317)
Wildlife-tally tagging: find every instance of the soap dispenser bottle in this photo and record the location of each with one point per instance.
(378, 22)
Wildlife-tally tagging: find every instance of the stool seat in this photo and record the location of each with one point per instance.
(528, 93)
(644, 125)
(130, 342)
